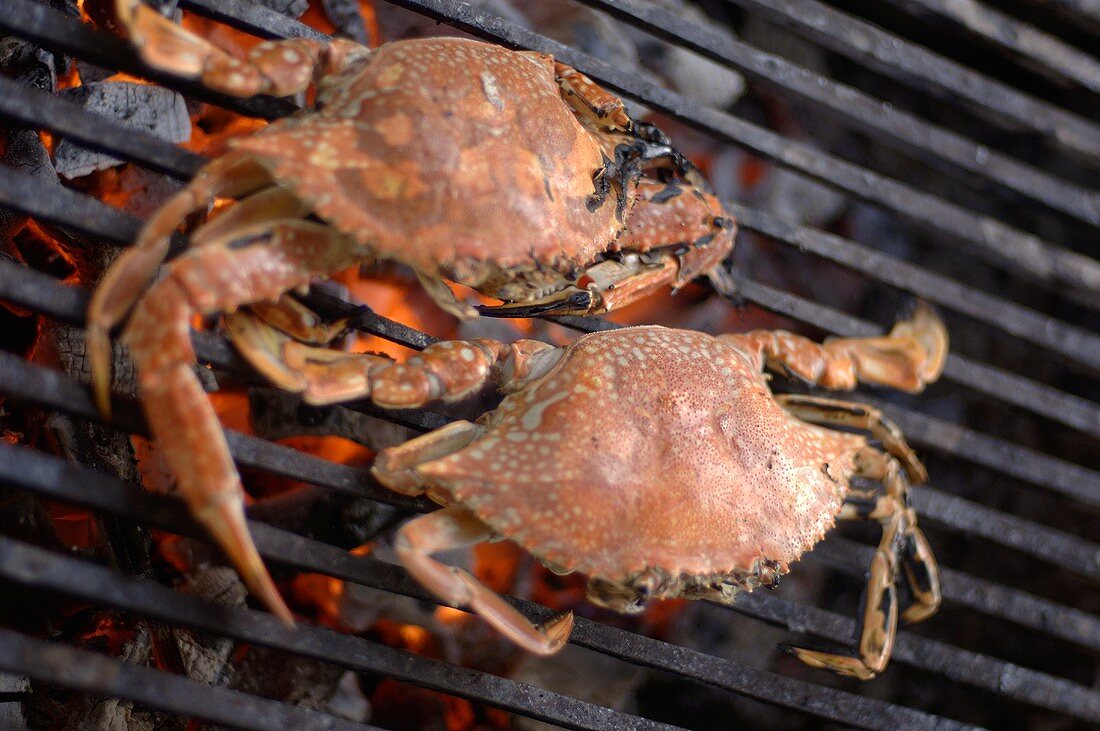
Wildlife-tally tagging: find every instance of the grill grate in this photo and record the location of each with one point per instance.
(1022, 253)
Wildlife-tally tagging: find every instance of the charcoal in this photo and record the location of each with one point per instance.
(11, 686)
(208, 659)
(90, 73)
(289, 8)
(345, 15)
(149, 108)
(26, 154)
(348, 700)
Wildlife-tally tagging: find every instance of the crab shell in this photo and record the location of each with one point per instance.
(655, 461)
(455, 157)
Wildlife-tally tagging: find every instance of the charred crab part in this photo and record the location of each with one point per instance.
(595, 106)
(456, 527)
(902, 546)
(281, 68)
(663, 212)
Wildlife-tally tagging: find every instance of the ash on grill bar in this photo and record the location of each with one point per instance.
(872, 153)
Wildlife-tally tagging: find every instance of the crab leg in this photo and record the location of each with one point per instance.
(206, 280)
(834, 412)
(444, 372)
(919, 563)
(456, 527)
(230, 176)
(282, 68)
(902, 545)
(909, 358)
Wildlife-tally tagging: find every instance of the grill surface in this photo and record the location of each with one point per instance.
(1000, 530)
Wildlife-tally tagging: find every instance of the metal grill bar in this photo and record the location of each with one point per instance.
(936, 145)
(20, 379)
(1070, 410)
(1056, 60)
(1038, 688)
(1073, 342)
(80, 485)
(870, 46)
(11, 367)
(1086, 13)
(57, 664)
(38, 568)
(50, 29)
(1021, 252)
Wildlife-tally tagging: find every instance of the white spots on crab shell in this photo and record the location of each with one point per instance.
(492, 93)
(291, 56)
(532, 417)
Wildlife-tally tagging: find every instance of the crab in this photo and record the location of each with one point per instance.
(654, 460)
(504, 171)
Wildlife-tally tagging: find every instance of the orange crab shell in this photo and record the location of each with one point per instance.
(652, 448)
(446, 152)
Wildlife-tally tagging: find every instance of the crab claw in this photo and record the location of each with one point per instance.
(570, 301)
(929, 331)
(225, 521)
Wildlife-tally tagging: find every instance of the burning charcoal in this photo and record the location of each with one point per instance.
(11, 713)
(145, 190)
(141, 106)
(90, 73)
(26, 154)
(208, 659)
(289, 8)
(279, 675)
(347, 18)
(348, 701)
(112, 713)
(24, 151)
